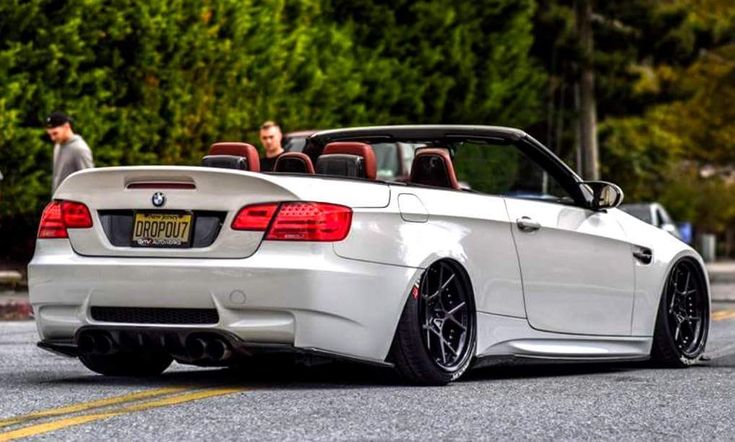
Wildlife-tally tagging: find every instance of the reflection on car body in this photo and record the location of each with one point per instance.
(654, 214)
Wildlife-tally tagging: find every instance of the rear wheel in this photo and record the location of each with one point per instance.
(435, 339)
(127, 363)
(683, 318)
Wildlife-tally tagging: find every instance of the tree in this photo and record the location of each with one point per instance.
(156, 82)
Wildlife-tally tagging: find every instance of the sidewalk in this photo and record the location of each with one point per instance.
(722, 280)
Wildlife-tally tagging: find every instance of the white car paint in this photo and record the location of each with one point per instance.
(570, 290)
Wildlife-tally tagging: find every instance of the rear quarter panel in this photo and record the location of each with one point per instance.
(469, 228)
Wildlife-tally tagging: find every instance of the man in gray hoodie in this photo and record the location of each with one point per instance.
(71, 152)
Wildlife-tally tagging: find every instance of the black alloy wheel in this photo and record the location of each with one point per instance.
(435, 340)
(683, 318)
(444, 310)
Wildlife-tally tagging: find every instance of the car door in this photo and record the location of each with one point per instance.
(577, 268)
(576, 264)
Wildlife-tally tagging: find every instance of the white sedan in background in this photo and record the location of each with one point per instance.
(138, 266)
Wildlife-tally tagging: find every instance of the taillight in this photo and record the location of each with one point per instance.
(311, 222)
(255, 217)
(296, 221)
(75, 215)
(61, 215)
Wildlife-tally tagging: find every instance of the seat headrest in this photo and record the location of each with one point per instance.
(233, 155)
(294, 162)
(348, 158)
(433, 167)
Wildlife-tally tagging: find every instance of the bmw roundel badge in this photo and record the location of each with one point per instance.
(159, 199)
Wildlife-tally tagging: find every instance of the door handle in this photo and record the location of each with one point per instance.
(526, 224)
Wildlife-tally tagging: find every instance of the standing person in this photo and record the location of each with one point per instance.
(71, 152)
(270, 137)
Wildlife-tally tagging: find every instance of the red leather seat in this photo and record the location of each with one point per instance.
(294, 162)
(348, 158)
(433, 167)
(233, 155)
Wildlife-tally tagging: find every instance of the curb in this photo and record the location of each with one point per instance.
(721, 277)
(721, 272)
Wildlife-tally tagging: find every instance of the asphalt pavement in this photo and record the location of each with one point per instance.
(48, 397)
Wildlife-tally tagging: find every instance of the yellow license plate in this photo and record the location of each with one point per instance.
(162, 229)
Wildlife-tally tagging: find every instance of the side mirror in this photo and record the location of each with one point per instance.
(604, 195)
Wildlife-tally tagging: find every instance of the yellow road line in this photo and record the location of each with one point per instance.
(84, 406)
(37, 429)
(723, 314)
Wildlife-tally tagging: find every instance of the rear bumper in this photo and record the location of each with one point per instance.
(296, 294)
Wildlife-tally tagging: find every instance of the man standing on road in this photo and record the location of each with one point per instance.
(270, 137)
(71, 152)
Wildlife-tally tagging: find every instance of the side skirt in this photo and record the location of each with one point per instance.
(508, 336)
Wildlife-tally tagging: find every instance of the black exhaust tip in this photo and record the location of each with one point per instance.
(196, 347)
(218, 350)
(103, 345)
(86, 343)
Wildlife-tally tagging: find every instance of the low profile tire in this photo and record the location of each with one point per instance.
(682, 323)
(127, 364)
(435, 340)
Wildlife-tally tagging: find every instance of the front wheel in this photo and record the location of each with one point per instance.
(435, 339)
(682, 323)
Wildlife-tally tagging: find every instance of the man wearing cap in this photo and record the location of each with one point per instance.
(71, 152)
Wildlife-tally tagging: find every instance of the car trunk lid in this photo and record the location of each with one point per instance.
(123, 198)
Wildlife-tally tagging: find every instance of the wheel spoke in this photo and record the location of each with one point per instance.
(459, 324)
(452, 311)
(443, 343)
(443, 286)
(432, 296)
(441, 346)
(673, 300)
(441, 276)
(449, 346)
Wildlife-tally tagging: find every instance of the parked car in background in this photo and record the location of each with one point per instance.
(652, 213)
(393, 159)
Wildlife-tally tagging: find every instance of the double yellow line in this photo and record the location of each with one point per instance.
(721, 315)
(77, 414)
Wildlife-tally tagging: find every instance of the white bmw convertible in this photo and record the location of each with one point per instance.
(511, 255)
